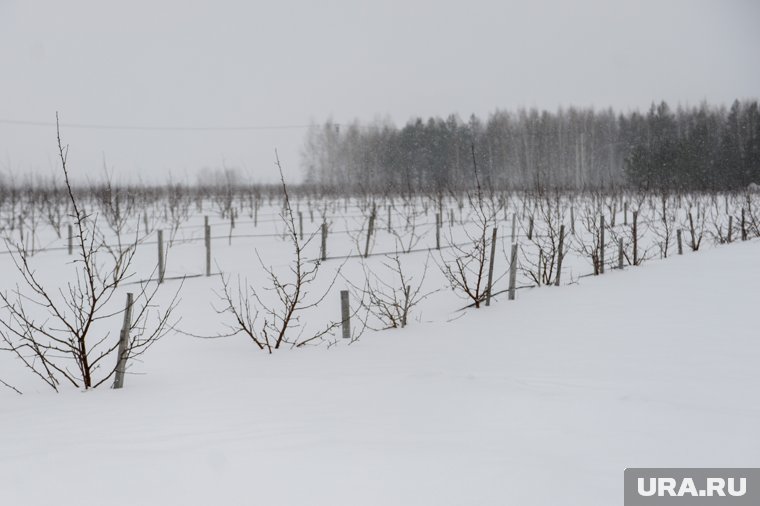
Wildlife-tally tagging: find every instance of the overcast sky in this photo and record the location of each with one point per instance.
(181, 63)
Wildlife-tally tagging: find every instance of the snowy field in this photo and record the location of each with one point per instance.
(524, 402)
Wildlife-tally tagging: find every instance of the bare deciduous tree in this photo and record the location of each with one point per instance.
(390, 296)
(465, 265)
(272, 326)
(60, 335)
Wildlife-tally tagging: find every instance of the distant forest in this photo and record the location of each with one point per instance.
(686, 149)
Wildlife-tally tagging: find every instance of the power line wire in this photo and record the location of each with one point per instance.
(94, 126)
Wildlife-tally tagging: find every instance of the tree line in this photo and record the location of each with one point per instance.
(688, 148)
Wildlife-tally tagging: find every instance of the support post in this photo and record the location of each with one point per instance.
(601, 244)
(121, 358)
(530, 229)
(161, 267)
(71, 239)
(345, 315)
(572, 219)
(635, 238)
(513, 272)
(560, 254)
(620, 254)
(692, 233)
(323, 250)
(490, 266)
(679, 236)
(207, 240)
(437, 231)
(370, 229)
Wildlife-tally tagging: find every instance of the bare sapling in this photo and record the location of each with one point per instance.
(274, 323)
(465, 264)
(543, 267)
(390, 296)
(407, 233)
(69, 335)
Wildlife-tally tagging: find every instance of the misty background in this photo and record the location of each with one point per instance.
(157, 90)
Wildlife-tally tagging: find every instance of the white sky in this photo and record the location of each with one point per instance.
(248, 63)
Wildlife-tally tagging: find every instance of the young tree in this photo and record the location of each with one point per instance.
(62, 335)
(276, 325)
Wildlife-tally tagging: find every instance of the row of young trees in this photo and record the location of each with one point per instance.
(696, 148)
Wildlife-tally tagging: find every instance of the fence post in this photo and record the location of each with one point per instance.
(601, 244)
(620, 254)
(514, 225)
(513, 272)
(490, 266)
(161, 268)
(389, 219)
(730, 228)
(346, 317)
(559, 253)
(323, 251)
(121, 358)
(145, 222)
(679, 234)
(71, 239)
(744, 226)
(300, 225)
(625, 214)
(207, 240)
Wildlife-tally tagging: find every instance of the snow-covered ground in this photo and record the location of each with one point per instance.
(542, 401)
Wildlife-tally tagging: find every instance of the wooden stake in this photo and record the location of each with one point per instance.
(513, 272)
(679, 236)
(490, 266)
(207, 239)
(437, 231)
(635, 238)
(601, 244)
(323, 251)
(346, 317)
(160, 234)
(121, 359)
(559, 254)
(620, 254)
